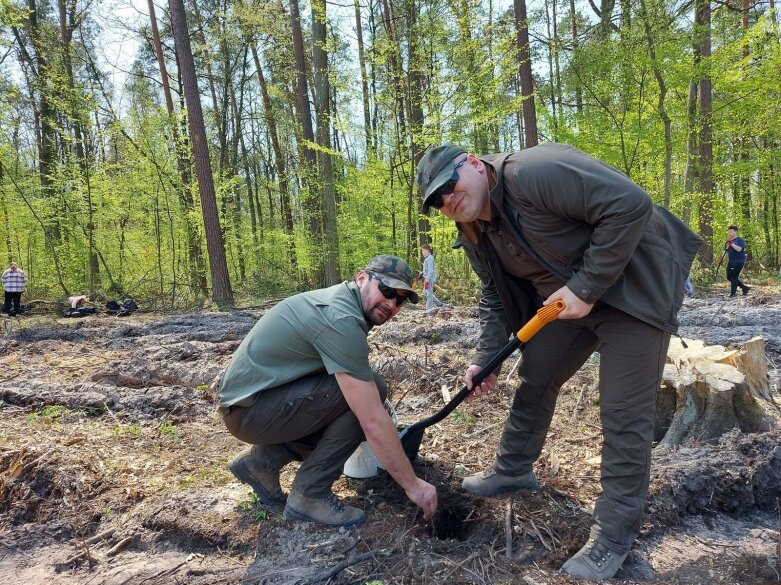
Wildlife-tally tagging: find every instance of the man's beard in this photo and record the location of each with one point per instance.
(368, 315)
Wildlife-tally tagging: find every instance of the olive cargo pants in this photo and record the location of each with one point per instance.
(305, 420)
(632, 355)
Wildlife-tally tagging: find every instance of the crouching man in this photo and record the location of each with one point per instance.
(300, 387)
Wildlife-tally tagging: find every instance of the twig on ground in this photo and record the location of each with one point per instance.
(479, 431)
(336, 569)
(537, 532)
(508, 528)
(28, 466)
(99, 537)
(119, 546)
(83, 554)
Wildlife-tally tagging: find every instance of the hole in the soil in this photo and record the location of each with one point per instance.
(449, 523)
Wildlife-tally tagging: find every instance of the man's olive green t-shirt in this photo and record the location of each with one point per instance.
(314, 332)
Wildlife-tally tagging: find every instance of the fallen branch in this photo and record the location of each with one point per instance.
(336, 569)
(99, 537)
(119, 546)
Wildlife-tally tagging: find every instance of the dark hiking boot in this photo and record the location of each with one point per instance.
(491, 483)
(258, 468)
(746, 288)
(732, 296)
(595, 561)
(329, 510)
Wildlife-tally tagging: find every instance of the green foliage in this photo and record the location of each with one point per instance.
(132, 430)
(252, 505)
(168, 429)
(464, 417)
(55, 413)
(126, 219)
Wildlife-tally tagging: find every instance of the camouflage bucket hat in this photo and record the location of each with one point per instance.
(435, 169)
(393, 272)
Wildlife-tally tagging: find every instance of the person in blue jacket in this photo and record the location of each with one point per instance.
(735, 248)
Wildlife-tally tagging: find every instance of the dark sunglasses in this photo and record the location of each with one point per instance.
(389, 292)
(435, 200)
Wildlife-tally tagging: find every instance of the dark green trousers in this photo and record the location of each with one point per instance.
(305, 420)
(632, 355)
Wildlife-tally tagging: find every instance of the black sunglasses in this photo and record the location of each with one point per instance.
(435, 200)
(389, 292)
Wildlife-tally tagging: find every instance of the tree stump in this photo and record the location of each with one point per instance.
(709, 390)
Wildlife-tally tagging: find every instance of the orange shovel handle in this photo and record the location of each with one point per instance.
(544, 316)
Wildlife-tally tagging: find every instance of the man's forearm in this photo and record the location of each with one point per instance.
(384, 440)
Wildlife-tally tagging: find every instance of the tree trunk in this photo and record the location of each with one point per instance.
(323, 109)
(525, 74)
(221, 289)
(364, 82)
(708, 390)
(194, 250)
(660, 107)
(691, 147)
(312, 203)
(705, 139)
(578, 88)
(279, 159)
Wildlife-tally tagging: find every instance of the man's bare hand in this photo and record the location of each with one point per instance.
(575, 308)
(486, 386)
(424, 495)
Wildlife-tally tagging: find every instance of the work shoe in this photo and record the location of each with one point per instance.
(732, 296)
(746, 288)
(491, 483)
(256, 467)
(329, 510)
(595, 561)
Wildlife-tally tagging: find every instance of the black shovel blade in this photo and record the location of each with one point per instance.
(411, 438)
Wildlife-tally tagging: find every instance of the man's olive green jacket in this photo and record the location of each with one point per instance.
(590, 226)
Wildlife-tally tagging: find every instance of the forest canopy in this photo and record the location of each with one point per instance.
(254, 148)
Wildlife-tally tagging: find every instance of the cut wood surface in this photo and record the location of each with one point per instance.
(710, 389)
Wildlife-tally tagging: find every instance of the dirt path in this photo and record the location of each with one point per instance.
(113, 467)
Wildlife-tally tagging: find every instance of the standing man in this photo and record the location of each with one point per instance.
(552, 223)
(14, 282)
(299, 387)
(735, 248)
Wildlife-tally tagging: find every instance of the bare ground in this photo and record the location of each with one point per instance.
(113, 467)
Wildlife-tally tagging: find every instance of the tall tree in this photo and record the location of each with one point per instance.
(705, 138)
(660, 103)
(364, 83)
(221, 289)
(323, 110)
(525, 74)
(197, 268)
(312, 203)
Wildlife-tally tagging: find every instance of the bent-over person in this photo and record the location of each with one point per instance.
(552, 223)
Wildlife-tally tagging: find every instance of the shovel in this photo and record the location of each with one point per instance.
(412, 435)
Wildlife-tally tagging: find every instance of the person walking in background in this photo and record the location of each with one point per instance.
(552, 223)
(689, 287)
(429, 277)
(300, 387)
(14, 283)
(735, 249)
